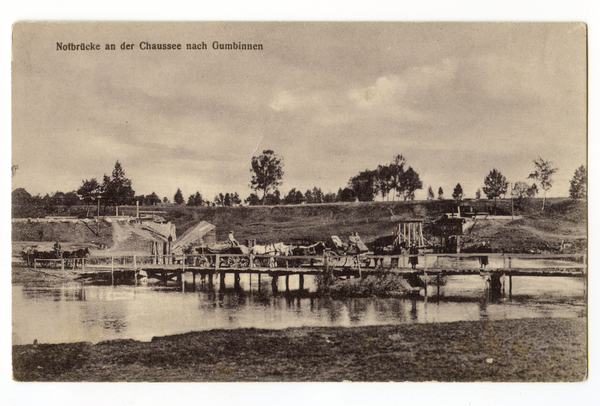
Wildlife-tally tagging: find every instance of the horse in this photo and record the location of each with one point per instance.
(28, 254)
(310, 250)
(315, 249)
(77, 256)
(272, 250)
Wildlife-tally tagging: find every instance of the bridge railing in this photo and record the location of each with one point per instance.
(432, 261)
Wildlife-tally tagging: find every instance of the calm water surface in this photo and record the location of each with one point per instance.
(75, 311)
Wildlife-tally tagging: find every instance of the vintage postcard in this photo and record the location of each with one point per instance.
(299, 202)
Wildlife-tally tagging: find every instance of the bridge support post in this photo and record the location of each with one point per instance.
(287, 283)
(328, 274)
(222, 281)
(112, 270)
(236, 280)
(210, 279)
(274, 284)
(300, 281)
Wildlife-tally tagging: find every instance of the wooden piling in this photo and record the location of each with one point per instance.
(112, 270)
(222, 281)
(301, 281)
(287, 283)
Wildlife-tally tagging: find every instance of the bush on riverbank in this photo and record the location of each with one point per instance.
(384, 285)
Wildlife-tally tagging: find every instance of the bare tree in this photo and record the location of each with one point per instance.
(543, 173)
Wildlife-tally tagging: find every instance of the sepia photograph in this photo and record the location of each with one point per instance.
(299, 202)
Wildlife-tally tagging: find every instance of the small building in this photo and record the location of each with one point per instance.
(202, 233)
(446, 232)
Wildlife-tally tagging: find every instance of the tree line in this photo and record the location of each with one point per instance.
(393, 180)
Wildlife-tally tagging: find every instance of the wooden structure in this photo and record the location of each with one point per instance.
(504, 267)
(410, 232)
(201, 234)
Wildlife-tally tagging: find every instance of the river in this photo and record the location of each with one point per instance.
(94, 312)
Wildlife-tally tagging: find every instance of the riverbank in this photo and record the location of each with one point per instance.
(527, 350)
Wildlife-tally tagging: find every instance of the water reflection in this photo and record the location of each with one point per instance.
(83, 312)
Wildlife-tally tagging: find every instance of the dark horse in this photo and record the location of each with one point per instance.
(76, 256)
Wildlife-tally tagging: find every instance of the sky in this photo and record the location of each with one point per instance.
(333, 99)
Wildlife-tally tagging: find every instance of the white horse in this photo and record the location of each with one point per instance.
(272, 250)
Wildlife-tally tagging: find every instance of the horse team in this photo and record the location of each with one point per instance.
(72, 258)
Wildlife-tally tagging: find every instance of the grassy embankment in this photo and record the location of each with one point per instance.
(528, 350)
(537, 231)
(563, 219)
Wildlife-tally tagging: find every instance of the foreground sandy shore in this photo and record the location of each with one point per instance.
(507, 350)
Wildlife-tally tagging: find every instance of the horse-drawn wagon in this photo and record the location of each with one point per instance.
(352, 255)
(229, 255)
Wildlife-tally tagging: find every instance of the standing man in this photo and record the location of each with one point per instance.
(413, 259)
(232, 239)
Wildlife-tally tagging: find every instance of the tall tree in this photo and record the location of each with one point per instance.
(578, 189)
(478, 194)
(395, 174)
(543, 172)
(430, 195)
(410, 182)
(195, 200)
(384, 176)
(308, 197)
(178, 197)
(317, 194)
(346, 195)
(267, 171)
(89, 192)
(458, 192)
(152, 199)
(440, 193)
(219, 199)
(364, 185)
(116, 190)
(495, 185)
(235, 198)
(20, 196)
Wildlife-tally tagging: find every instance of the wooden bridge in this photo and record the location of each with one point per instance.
(167, 267)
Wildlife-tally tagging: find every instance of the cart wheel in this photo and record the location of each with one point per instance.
(332, 259)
